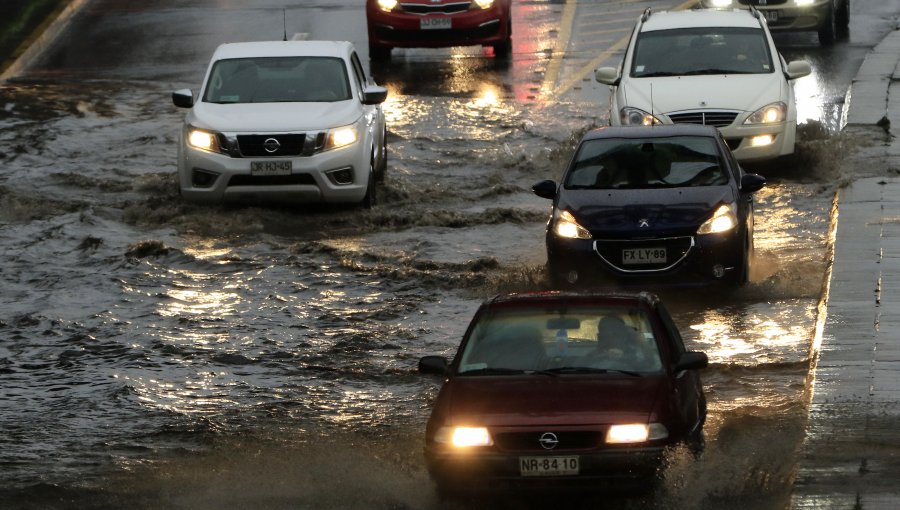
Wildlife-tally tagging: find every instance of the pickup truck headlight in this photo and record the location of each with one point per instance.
(341, 137)
(484, 4)
(203, 139)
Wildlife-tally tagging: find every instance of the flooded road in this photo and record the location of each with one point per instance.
(158, 354)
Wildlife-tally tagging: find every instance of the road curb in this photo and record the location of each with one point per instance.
(43, 40)
(869, 100)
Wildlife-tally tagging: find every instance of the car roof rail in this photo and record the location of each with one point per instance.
(645, 15)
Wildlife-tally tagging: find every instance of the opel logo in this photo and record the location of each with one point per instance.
(271, 145)
(643, 223)
(548, 440)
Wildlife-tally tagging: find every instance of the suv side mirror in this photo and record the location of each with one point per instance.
(183, 98)
(692, 360)
(607, 75)
(545, 189)
(797, 69)
(433, 365)
(751, 183)
(374, 94)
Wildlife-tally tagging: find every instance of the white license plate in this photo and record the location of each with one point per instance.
(771, 16)
(282, 167)
(432, 23)
(644, 256)
(548, 466)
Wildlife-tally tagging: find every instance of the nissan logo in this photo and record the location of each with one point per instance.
(643, 223)
(548, 440)
(271, 145)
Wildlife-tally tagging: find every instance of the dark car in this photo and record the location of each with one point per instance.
(563, 389)
(830, 18)
(437, 24)
(643, 204)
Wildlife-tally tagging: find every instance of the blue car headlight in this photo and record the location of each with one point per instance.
(723, 220)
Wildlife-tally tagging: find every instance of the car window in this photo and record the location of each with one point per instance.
(515, 341)
(359, 71)
(646, 163)
(278, 79)
(707, 50)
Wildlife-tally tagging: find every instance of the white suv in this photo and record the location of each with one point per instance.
(283, 121)
(718, 68)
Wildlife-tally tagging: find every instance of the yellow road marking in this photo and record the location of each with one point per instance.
(563, 42)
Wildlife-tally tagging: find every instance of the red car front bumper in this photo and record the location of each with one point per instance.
(431, 28)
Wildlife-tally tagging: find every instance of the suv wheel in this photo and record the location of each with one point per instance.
(381, 171)
(371, 197)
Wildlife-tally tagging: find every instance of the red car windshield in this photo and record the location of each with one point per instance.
(575, 340)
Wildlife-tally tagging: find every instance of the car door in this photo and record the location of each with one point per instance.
(689, 401)
(374, 113)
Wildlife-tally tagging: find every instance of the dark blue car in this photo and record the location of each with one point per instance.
(651, 204)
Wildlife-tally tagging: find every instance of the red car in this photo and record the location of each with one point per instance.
(563, 389)
(437, 24)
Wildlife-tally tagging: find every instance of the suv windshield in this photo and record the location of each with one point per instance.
(694, 51)
(642, 163)
(278, 80)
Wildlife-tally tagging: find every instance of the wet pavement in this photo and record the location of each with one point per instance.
(851, 457)
(192, 357)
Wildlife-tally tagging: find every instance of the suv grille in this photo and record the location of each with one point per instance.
(429, 9)
(718, 118)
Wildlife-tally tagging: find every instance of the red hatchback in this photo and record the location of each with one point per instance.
(563, 388)
(437, 24)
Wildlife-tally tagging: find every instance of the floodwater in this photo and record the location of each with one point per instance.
(158, 354)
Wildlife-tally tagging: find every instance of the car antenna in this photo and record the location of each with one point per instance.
(284, 22)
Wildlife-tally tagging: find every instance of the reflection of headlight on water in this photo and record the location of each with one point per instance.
(487, 97)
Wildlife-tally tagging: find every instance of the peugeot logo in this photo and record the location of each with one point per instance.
(271, 145)
(643, 223)
(548, 440)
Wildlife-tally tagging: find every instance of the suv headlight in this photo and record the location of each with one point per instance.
(723, 220)
(341, 137)
(636, 117)
(566, 226)
(483, 4)
(769, 114)
(720, 3)
(203, 139)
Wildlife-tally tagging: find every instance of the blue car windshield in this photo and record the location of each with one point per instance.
(278, 80)
(569, 340)
(698, 51)
(646, 163)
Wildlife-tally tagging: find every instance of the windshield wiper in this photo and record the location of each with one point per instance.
(657, 74)
(493, 371)
(711, 70)
(587, 370)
